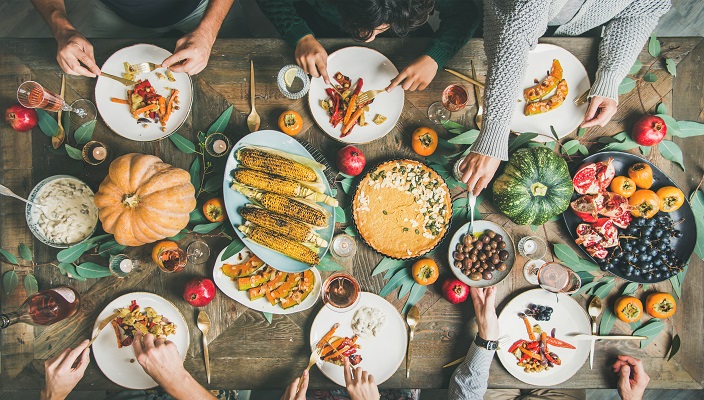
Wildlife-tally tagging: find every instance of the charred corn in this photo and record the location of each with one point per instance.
(271, 163)
(270, 183)
(280, 243)
(282, 224)
(283, 205)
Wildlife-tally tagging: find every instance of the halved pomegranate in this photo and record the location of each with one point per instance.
(583, 229)
(587, 207)
(589, 239)
(622, 221)
(585, 181)
(614, 205)
(605, 173)
(605, 227)
(597, 251)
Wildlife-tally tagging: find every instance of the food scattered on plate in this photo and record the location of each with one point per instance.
(402, 208)
(479, 254)
(263, 281)
(368, 321)
(69, 204)
(536, 103)
(334, 348)
(131, 319)
(534, 354)
(148, 106)
(343, 106)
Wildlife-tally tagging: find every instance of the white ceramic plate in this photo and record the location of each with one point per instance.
(116, 363)
(497, 276)
(568, 318)
(227, 286)
(377, 71)
(235, 200)
(117, 116)
(565, 118)
(381, 355)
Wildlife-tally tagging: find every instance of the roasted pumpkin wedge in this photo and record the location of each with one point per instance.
(243, 269)
(255, 280)
(546, 86)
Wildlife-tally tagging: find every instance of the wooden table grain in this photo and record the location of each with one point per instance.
(248, 352)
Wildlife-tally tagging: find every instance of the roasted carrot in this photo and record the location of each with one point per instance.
(324, 340)
(170, 104)
(162, 107)
(150, 107)
(333, 351)
(119, 101)
(530, 353)
(529, 328)
(346, 128)
(558, 343)
(350, 109)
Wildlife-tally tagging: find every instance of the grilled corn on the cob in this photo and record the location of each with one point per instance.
(275, 164)
(270, 183)
(280, 243)
(282, 224)
(283, 205)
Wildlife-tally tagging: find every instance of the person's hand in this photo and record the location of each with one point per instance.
(191, 54)
(61, 373)
(312, 57)
(477, 171)
(632, 379)
(360, 383)
(159, 358)
(600, 111)
(293, 392)
(74, 50)
(416, 76)
(484, 300)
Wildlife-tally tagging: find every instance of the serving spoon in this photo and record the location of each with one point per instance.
(412, 319)
(5, 191)
(594, 310)
(253, 120)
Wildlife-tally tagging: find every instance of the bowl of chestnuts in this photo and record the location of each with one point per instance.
(481, 258)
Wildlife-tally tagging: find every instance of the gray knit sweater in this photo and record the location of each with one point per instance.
(512, 28)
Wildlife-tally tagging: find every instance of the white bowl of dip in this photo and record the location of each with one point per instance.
(70, 203)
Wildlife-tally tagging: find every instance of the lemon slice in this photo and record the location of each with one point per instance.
(289, 76)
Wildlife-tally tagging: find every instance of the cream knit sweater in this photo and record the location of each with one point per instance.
(512, 28)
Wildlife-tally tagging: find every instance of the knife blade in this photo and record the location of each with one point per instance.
(591, 345)
(615, 337)
(102, 325)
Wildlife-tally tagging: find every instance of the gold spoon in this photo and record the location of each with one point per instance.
(594, 310)
(412, 319)
(204, 326)
(253, 120)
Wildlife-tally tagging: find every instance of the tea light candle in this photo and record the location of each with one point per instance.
(126, 265)
(219, 146)
(529, 246)
(99, 153)
(343, 245)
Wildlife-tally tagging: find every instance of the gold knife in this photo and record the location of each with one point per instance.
(465, 77)
(57, 140)
(102, 325)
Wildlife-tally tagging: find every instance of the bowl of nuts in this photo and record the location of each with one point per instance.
(483, 257)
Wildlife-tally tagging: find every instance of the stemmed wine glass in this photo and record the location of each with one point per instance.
(454, 98)
(31, 94)
(198, 251)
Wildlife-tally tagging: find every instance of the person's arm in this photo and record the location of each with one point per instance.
(73, 48)
(193, 50)
(161, 361)
(459, 19)
(61, 373)
(624, 38)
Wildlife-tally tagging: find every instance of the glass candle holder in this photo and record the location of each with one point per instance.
(217, 144)
(94, 152)
(343, 245)
(121, 265)
(532, 247)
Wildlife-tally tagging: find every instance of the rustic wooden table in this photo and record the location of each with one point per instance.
(248, 352)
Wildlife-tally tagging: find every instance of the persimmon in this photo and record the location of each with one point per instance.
(424, 141)
(628, 309)
(425, 271)
(671, 198)
(660, 305)
(214, 210)
(290, 122)
(642, 175)
(644, 203)
(624, 186)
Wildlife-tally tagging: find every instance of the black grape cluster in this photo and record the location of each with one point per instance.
(540, 313)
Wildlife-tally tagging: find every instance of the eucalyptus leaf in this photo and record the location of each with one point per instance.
(70, 269)
(605, 289)
(452, 125)
(673, 127)
(213, 184)
(565, 254)
(635, 325)
(650, 77)
(9, 256)
(581, 132)
(397, 280)
(517, 142)
(340, 215)
(661, 108)
(268, 317)
(392, 271)
(630, 289)
(328, 264)
(585, 277)
(221, 123)
(676, 285)
(92, 270)
(9, 281)
(72, 253)
(654, 45)
(608, 318)
(182, 234)
(608, 140)
(671, 66)
(47, 124)
(84, 133)
(444, 144)
(195, 172)
(583, 150)
(554, 133)
(73, 152)
(206, 228)
(636, 67)
(651, 330)
(689, 128)
(97, 239)
(30, 284)
(626, 144)
(461, 201)
(417, 293)
(534, 228)
(626, 85)
(346, 185)
(671, 151)
(385, 264)
(25, 252)
(586, 287)
(196, 216)
(351, 231)
(697, 202)
(111, 247)
(405, 288)
(468, 137)
(233, 248)
(674, 347)
(182, 143)
(645, 150)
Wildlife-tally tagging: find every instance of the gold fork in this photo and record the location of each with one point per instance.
(368, 95)
(102, 325)
(582, 98)
(144, 67)
(314, 358)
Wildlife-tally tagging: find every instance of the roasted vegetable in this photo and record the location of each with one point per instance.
(274, 184)
(282, 224)
(546, 86)
(269, 162)
(280, 243)
(543, 106)
(302, 210)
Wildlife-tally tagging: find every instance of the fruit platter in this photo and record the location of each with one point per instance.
(629, 217)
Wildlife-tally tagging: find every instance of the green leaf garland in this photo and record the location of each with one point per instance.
(671, 151)
(92, 270)
(626, 85)
(9, 256)
(72, 253)
(630, 289)
(30, 284)
(213, 184)
(25, 252)
(650, 77)
(182, 143)
(517, 142)
(340, 215)
(636, 67)
(605, 289)
(654, 45)
(70, 270)
(671, 66)
(689, 129)
(661, 108)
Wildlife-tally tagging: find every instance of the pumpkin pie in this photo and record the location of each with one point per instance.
(402, 209)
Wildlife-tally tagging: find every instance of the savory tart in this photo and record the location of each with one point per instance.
(402, 209)
(132, 318)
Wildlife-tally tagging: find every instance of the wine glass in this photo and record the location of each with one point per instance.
(31, 94)
(172, 259)
(438, 113)
(198, 251)
(557, 278)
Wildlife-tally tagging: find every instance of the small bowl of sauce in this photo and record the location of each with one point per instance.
(340, 292)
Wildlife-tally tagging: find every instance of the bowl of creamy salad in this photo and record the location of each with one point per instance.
(70, 215)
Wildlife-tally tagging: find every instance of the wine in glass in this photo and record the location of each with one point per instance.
(557, 278)
(31, 94)
(454, 98)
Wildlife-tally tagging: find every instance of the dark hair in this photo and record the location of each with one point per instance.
(361, 17)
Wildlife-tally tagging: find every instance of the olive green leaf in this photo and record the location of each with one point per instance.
(84, 133)
(517, 142)
(697, 202)
(468, 137)
(605, 289)
(645, 150)
(661, 108)
(213, 184)
(689, 129)
(671, 66)
(30, 284)
(195, 172)
(397, 280)
(9, 281)
(206, 228)
(70, 270)
(73, 152)
(671, 151)
(47, 124)
(654, 45)
(385, 264)
(650, 329)
(351, 231)
(221, 123)
(417, 293)
(9, 256)
(182, 143)
(233, 248)
(650, 77)
(452, 125)
(328, 264)
(340, 215)
(674, 347)
(607, 321)
(626, 85)
(636, 67)
(346, 184)
(196, 216)
(25, 252)
(268, 317)
(92, 270)
(72, 253)
(630, 289)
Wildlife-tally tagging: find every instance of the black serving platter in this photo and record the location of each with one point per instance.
(683, 246)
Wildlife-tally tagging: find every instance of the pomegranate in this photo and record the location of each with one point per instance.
(605, 227)
(583, 229)
(454, 290)
(614, 205)
(20, 118)
(594, 177)
(587, 207)
(605, 173)
(598, 251)
(622, 221)
(199, 291)
(649, 130)
(351, 160)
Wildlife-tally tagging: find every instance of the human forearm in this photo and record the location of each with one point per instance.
(283, 15)
(184, 387)
(459, 19)
(214, 15)
(54, 14)
(470, 380)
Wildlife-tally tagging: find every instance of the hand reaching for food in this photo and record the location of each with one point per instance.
(417, 75)
(360, 383)
(484, 300)
(293, 391)
(600, 111)
(477, 171)
(75, 54)
(191, 54)
(632, 379)
(61, 373)
(312, 57)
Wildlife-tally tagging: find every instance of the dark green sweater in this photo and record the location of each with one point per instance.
(458, 21)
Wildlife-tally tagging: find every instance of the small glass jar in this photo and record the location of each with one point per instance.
(217, 144)
(343, 246)
(94, 152)
(532, 247)
(121, 265)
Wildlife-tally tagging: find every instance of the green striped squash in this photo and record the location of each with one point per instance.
(534, 187)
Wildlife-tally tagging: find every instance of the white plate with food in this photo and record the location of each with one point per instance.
(236, 201)
(288, 303)
(567, 319)
(70, 215)
(565, 118)
(481, 275)
(376, 71)
(119, 363)
(381, 354)
(117, 115)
